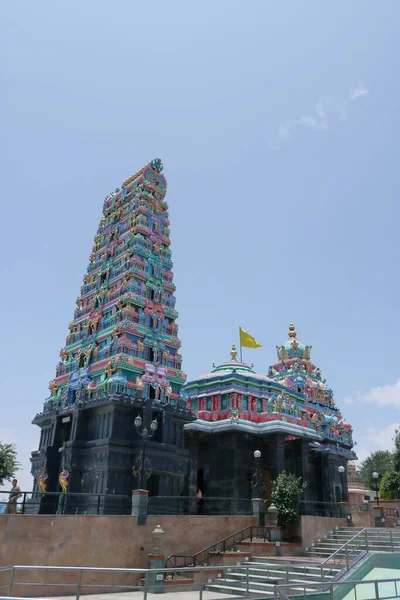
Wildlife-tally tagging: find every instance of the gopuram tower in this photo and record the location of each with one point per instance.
(118, 381)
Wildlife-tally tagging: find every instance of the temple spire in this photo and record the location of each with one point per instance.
(234, 352)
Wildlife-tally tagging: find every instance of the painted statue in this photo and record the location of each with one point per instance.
(63, 480)
(42, 482)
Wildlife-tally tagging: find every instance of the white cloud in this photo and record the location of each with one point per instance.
(359, 91)
(372, 440)
(326, 110)
(382, 439)
(384, 395)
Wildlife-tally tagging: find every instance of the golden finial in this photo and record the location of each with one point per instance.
(292, 331)
(233, 352)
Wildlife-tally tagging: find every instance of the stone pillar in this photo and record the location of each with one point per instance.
(306, 472)
(140, 501)
(155, 581)
(378, 514)
(345, 512)
(279, 454)
(328, 479)
(259, 510)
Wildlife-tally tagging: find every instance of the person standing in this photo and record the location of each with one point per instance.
(11, 508)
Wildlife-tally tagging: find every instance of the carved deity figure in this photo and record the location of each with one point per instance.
(63, 480)
(53, 387)
(110, 369)
(80, 358)
(64, 355)
(140, 347)
(88, 354)
(95, 353)
(42, 482)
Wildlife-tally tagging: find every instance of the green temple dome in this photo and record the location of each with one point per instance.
(233, 365)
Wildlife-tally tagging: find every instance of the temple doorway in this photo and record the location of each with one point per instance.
(267, 485)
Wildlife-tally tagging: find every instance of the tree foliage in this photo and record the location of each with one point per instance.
(8, 462)
(381, 462)
(396, 453)
(286, 495)
(390, 485)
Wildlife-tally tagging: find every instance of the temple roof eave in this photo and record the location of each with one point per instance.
(269, 427)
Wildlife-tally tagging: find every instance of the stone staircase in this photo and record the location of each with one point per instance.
(263, 573)
(259, 575)
(372, 540)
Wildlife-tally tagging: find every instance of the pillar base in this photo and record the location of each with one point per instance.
(378, 513)
(345, 512)
(140, 502)
(259, 510)
(155, 581)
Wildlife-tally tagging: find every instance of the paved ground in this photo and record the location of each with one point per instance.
(139, 596)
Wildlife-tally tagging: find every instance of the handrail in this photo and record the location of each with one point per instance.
(304, 589)
(243, 534)
(329, 559)
(391, 512)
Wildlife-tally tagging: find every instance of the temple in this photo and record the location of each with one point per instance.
(288, 415)
(120, 364)
(120, 416)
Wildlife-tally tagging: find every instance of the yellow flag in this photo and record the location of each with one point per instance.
(247, 340)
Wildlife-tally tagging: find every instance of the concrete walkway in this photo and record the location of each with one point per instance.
(139, 596)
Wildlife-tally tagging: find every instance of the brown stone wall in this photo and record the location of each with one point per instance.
(313, 528)
(101, 541)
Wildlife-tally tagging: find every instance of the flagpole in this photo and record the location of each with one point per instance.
(240, 343)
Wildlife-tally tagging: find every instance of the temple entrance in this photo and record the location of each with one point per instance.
(267, 485)
(49, 503)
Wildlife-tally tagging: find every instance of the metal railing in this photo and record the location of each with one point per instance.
(142, 580)
(76, 581)
(320, 509)
(191, 505)
(69, 503)
(345, 556)
(359, 545)
(379, 589)
(248, 533)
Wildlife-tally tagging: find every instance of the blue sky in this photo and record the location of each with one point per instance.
(278, 126)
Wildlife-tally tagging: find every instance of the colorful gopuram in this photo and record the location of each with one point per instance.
(288, 415)
(121, 358)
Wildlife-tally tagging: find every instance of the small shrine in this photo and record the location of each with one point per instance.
(289, 415)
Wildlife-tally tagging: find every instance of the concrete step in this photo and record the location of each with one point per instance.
(276, 572)
(261, 579)
(298, 568)
(281, 576)
(231, 587)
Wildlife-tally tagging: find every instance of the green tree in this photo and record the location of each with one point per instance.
(390, 485)
(381, 462)
(286, 495)
(8, 462)
(396, 453)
